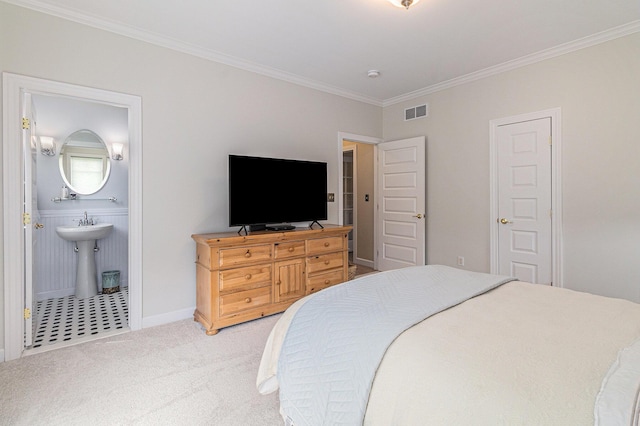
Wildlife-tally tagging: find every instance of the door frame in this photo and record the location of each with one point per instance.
(342, 136)
(14, 86)
(556, 188)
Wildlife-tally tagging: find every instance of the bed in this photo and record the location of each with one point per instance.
(438, 345)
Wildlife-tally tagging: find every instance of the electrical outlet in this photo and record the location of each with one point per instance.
(460, 261)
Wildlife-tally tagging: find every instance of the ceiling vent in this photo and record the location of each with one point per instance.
(419, 111)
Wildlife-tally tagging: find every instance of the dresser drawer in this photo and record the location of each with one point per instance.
(324, 280)
(289, 249)
(324, 245)
(250, 276)
(324, 262)
(245, 255)
(233, 303)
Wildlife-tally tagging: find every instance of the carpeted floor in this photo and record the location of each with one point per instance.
(172, 374)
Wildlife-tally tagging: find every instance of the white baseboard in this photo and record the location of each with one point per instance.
(174, 316)
(364, 262)
(55, 294)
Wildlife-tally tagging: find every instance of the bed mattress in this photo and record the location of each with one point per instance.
(519, 354)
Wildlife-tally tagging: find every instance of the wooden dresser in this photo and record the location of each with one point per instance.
(243, 277)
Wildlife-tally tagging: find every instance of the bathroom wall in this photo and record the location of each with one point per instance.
(54, 258)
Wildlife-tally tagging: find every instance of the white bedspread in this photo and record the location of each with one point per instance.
(337, 339)
(519, 354)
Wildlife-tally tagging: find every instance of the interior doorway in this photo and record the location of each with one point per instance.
(17, 89)
(356, 198)
(525, 197)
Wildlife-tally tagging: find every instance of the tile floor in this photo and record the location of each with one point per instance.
(65, 319)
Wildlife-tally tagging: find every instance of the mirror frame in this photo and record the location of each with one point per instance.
(62, 159)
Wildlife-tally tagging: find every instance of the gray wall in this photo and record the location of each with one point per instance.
(598, 91)
(194, 113)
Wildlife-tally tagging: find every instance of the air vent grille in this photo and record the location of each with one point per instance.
(415, 112)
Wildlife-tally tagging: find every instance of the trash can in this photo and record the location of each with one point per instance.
(110, 282)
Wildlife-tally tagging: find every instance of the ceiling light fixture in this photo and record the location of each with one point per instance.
(403, 3)
(373, 73)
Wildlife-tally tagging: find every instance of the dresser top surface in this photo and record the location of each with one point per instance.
(265, 236)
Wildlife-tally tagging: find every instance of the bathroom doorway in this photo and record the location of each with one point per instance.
(23, 305)
(73, 144)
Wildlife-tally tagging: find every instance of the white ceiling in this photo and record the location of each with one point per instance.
(331, 44)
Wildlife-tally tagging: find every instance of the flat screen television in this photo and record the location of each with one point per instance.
(273, 193)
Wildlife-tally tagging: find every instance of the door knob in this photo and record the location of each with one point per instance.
(505, 221)
(419, 216)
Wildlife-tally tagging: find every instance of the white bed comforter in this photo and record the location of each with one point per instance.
(519, 354)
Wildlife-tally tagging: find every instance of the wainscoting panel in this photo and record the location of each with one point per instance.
(56, 262)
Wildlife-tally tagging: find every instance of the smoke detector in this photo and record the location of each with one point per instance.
(373, 73)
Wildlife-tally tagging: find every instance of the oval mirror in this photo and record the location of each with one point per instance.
(84, 162)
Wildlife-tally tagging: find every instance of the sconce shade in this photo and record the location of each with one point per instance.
(47, 146)
(403, 3)
(116, 151)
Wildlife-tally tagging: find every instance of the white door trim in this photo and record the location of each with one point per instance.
(14, 86)
(556, 188)
(362, 139)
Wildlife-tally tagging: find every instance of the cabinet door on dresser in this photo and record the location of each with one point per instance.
(289, 279)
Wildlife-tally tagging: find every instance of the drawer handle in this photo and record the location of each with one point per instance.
(290, 249)
(247, 300)
(326, 244)
(247, 254)
(327, 281)
(248, 276)
(326, 262)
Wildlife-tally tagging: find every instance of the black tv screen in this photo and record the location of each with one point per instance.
(276, 191)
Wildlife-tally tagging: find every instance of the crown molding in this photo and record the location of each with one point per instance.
(173, 44)
(190, 49)
(592, 40)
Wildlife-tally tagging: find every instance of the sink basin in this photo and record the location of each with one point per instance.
(85, 237)
(84, 233)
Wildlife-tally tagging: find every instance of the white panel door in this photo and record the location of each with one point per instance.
(401, 203)
(524, 200)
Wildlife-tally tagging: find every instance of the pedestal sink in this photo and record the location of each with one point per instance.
(85, 238)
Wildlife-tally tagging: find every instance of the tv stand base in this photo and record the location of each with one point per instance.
(283, 227)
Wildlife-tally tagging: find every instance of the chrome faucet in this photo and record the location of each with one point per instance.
(86, 221)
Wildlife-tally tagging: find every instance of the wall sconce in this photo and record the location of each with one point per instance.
(47, 146)
(116, 151)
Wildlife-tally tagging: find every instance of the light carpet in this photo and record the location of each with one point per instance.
(172, 374)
